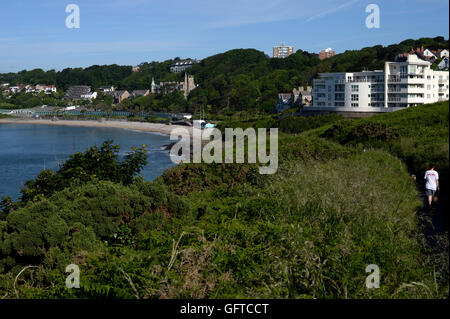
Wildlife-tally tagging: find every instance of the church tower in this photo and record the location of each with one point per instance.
(153, 88)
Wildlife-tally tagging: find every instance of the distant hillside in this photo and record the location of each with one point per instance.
(240, 79)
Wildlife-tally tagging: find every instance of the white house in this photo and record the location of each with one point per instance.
(444, 53)
(399, 85)
(444, 64)
(15, 89)
(30, 89)
(89, 96)
(106, 89)
(428, 54)
(47, 89)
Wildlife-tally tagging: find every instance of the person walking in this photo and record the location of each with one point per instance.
(432, 183)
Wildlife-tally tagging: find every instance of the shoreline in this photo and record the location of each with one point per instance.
(155, 128)
(164, 129)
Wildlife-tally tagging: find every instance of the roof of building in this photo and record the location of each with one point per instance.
(185, 63)
(117, 93)
(139, 92)
(77, 91)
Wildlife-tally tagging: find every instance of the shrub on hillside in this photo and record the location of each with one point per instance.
(346, 132)
(82, 218)
(187, 178)
(299, 124)
(95, 163)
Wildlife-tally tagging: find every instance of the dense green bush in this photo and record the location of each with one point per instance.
(187, 178)
(363, 132)
(96, 163)
(299, 124)
(83, 218)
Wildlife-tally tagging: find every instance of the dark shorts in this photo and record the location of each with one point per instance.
(430, 192)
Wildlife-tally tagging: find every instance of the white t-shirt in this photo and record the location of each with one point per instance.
(431, 176)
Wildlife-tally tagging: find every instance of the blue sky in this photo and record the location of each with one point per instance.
(33, 33)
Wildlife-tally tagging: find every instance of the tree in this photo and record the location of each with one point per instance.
(96, 163)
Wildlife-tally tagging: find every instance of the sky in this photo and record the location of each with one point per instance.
(33, 33)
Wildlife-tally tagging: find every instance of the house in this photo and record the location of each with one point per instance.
(89, 96)
(30, 89)
(182, 65)
(106, 89)
(76, 92)
(16, 88)
(303, 97)
(285, 101)
(135, 68)
(298, 97)
(119, 96)
(443, 53)
(47, 89)
(429, 55)
(137, 93)
(444, 64)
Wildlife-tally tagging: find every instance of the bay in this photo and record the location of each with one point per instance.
(27, 149)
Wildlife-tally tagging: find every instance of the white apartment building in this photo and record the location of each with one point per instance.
(399, 85)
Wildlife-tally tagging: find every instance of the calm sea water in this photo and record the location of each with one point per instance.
(26, 149)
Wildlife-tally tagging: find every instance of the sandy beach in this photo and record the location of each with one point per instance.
(120, 124)
(138, 126)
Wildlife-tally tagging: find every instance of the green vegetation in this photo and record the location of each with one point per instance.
(241, 80)
(416, 135)
(96, 163)
(30, 100)
(342, 199)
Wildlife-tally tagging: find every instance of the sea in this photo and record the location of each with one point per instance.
(27, 149)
